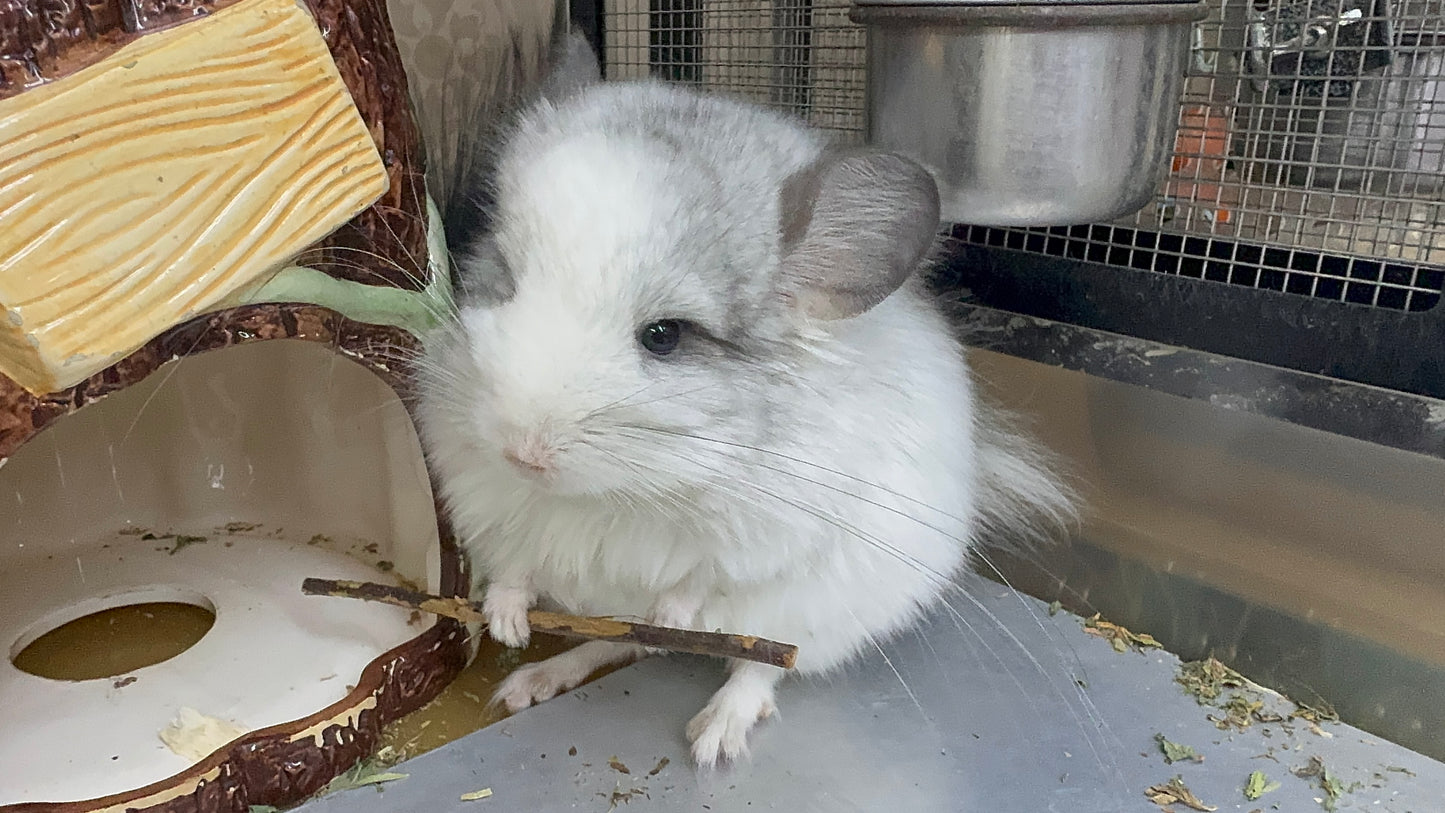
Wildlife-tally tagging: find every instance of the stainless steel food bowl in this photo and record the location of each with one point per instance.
(1042, 114)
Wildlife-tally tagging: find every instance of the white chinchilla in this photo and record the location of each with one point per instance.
(694, 378)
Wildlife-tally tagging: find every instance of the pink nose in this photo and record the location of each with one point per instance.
(529, 456)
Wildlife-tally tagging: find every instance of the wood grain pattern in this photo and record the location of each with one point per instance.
(147, 187)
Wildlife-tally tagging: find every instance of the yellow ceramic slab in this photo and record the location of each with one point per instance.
(150, 186)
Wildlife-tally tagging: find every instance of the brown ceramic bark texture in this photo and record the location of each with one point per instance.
(386, 244)
(23, 414)
(267, 767)
(45, 40)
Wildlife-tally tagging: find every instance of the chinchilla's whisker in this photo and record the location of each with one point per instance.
(948, 585)
(627, 403)
(941, 513)
(624, 399)
(807, 463)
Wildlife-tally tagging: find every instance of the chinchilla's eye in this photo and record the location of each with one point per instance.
(660, 337)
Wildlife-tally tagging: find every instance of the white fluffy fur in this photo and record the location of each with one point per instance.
(810, 482)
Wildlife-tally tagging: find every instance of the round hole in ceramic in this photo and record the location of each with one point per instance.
(115, 635)
(231, 474)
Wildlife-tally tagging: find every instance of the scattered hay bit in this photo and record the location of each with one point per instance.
(1118, 637)
(1239, 713)
(1054, 608)
(1322, 712)
(1175, 792)
(373, 770)
(476, 794)
(185, 541)
(1333, 787)
(364, 773)
(195, 736)
(1207, 679)
(620, 796)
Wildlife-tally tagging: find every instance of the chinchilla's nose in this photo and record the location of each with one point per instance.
(532, 451)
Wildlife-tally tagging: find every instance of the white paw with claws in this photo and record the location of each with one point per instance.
(533, 683)
(538, 682)
(719, 733)
(506, 610)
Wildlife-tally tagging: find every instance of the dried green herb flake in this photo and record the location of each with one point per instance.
(1174, 752)
(1258, 785)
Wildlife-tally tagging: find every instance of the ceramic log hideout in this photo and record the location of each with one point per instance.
(158, 445)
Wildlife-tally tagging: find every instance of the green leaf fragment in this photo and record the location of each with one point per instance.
(1175, 752)
(378, 778)
(1258, 785)
(366, 772)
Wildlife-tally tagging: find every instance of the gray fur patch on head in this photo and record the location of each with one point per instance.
(483, 277)
(573, 67)
(854, 227)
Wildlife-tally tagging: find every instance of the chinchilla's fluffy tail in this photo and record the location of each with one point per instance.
(1023, 496)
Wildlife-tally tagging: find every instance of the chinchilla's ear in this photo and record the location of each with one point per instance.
(572, 66)
(855, 226)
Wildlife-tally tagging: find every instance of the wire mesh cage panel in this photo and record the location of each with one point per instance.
(800, 55)
(1310, 156)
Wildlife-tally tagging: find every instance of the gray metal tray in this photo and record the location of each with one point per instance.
(993, 720)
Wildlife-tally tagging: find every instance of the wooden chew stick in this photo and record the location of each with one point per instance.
(743, 647)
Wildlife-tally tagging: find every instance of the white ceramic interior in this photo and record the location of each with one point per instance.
(311, 448)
